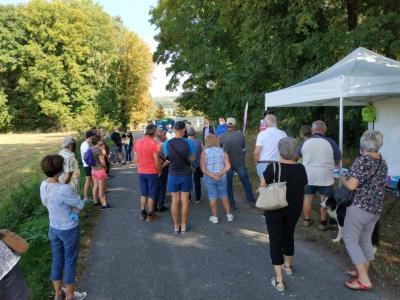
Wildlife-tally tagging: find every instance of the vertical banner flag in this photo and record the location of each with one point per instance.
(245, 118)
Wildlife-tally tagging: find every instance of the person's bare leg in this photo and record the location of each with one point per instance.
(57, 287)
(324, 212)
(307, 206)
(86, 187)
(213, 206)
(288, 261)
(363, 274)
(279, 275)
(143, 201)
(175, 209)
(69, 291)
(150, 204)
(227, 206)
(95, 190)
(102, 192)
(185, 209)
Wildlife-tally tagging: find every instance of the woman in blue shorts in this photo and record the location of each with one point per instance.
(214, 165)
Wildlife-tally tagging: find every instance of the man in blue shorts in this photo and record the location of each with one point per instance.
(180, 152)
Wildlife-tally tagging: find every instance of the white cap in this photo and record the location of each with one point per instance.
(68, 141)
(231, 122)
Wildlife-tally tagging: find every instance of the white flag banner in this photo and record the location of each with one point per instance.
(245, 118)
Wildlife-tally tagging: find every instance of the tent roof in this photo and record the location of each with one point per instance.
(361, 77)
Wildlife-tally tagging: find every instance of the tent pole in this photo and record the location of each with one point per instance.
(341, 133)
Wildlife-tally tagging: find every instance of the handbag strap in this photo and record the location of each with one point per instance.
(279, 172)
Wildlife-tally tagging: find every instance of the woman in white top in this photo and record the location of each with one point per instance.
(215, 164)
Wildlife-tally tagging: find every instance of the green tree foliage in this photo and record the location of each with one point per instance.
(66, 64)
(229, 52)
(160, 112)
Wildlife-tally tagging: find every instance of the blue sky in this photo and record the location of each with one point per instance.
(135, 14)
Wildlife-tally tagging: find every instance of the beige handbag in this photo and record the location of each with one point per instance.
(13, 241)
(273, 196)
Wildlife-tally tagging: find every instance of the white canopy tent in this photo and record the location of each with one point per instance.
(360, 78)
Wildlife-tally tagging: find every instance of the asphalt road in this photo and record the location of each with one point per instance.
(131, 259)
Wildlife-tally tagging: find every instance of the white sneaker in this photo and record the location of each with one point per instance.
(214, 220)
(77, 295)
(230, 217)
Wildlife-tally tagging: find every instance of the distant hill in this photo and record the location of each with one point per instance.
(166, 102)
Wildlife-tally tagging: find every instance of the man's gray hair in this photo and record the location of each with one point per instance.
(371, 141)
(287, 147)
(319, 126)
(270, 120)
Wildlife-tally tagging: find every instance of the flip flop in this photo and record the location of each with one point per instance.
(288, 270)
(360, 286)
(275, 283)
(178, 231)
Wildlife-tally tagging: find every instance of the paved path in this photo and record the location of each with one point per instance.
(130, 259)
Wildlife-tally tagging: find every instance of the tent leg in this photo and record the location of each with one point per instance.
(341, 133)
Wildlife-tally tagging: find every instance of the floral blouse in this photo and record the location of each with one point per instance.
(371, 188)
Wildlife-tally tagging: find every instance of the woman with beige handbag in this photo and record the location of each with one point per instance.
(12, 283)
(284, 208)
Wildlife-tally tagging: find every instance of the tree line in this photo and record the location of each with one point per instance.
(226, 53)
(66, 64)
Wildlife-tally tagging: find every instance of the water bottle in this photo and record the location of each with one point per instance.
(74, 216)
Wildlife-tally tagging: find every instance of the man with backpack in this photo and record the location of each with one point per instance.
(180, 152)
(85, 146)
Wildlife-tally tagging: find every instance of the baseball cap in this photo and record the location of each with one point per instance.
(68, 141)
(190, 131)
(89, 134)
(180, 125)
(231, 121)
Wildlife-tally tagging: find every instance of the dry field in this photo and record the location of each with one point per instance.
(20, 156)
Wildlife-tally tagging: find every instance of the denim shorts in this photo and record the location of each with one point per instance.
(179, 183)
(64, 249)
(322, 190)
(149, 185)
(216, 189)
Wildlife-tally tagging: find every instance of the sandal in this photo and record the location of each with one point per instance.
(288, 270)
(187, 228)
(178, 231)
(353, 273)
(356, 284)
(275, 283)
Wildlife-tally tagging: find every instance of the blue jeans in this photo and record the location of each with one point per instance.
(64, 248)
(244, 178)
(128, 152)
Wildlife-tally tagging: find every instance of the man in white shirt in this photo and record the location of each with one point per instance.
(88, 169)
(319, 154)
(266, 150)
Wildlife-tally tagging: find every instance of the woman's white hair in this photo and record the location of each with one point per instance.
(270, 120)
(371, 141)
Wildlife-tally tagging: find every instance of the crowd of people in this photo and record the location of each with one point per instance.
(172, 160)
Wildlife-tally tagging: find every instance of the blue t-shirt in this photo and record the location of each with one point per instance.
(221, 129)
(178, 152)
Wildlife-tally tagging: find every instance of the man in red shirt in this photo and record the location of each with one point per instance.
(148, 164)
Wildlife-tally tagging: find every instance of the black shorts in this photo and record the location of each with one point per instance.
(88, 171)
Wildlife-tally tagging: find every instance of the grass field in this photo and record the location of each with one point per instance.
(20, 206)
(20, 156)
